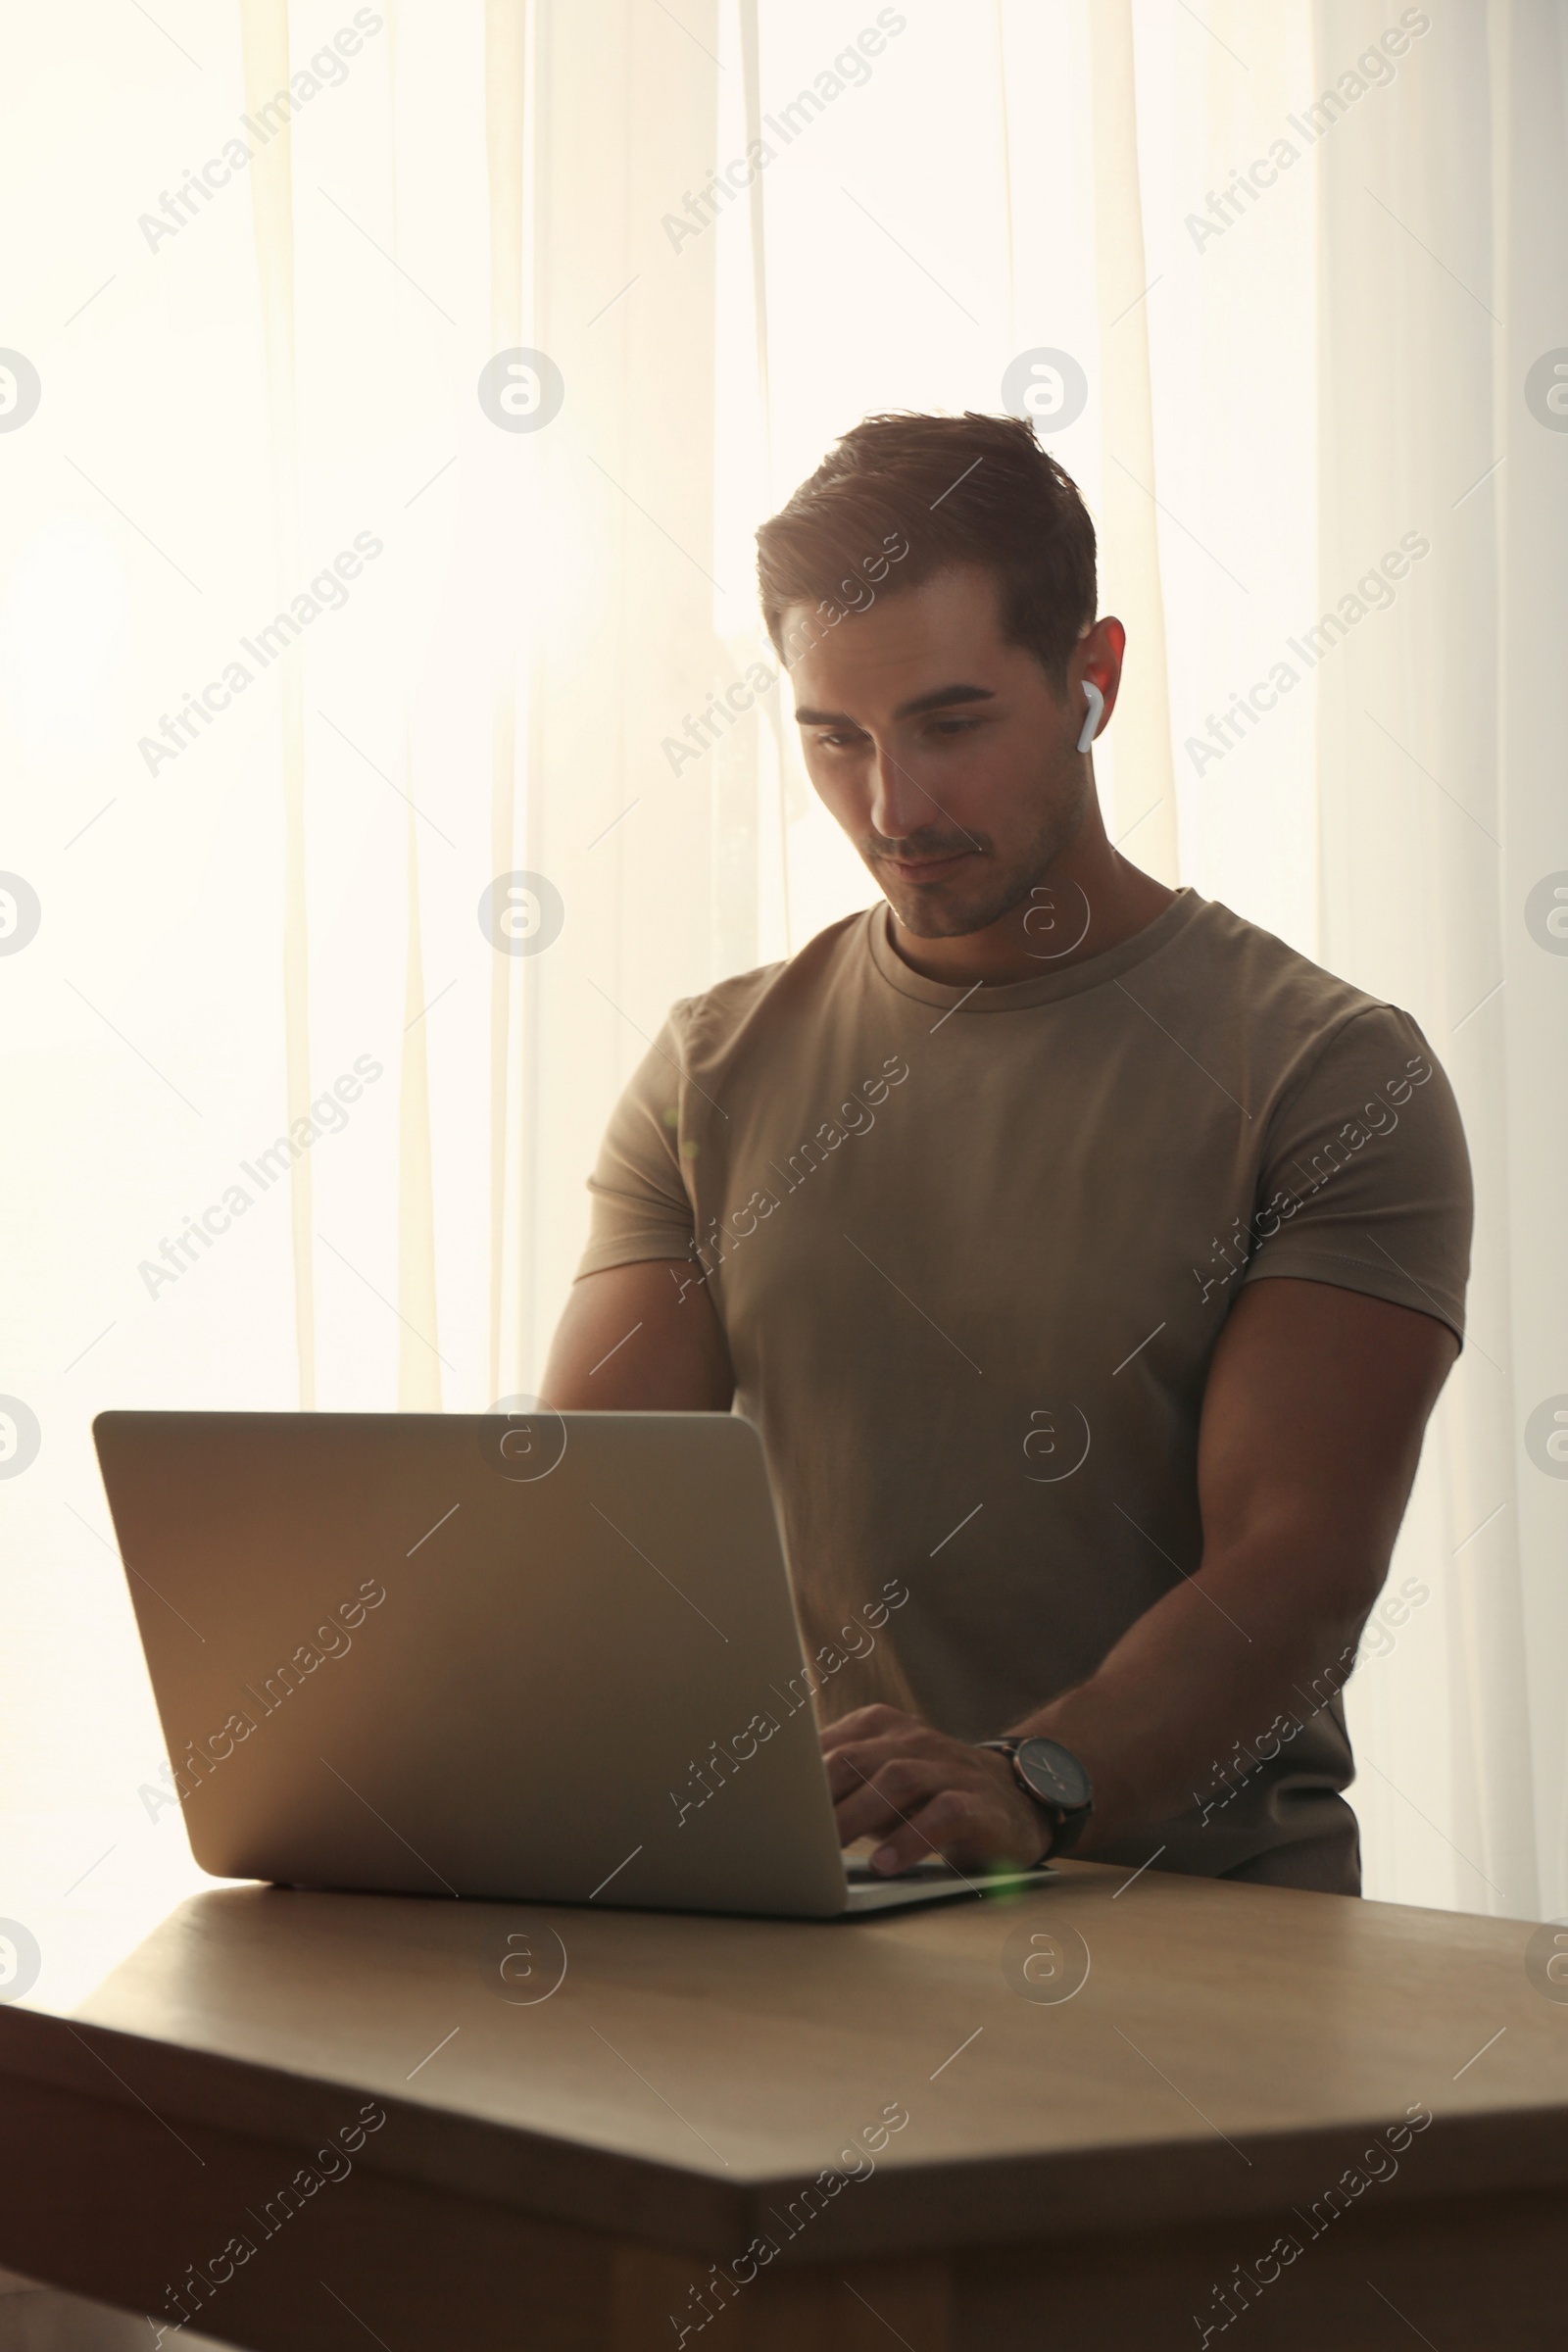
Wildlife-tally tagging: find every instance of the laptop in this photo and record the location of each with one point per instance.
(534, 1657)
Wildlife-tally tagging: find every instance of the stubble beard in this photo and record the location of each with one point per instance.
(980, 893)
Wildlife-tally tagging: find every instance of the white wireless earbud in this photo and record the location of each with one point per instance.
(1096, 712)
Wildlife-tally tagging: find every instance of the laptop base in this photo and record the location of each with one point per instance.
(931, 1882)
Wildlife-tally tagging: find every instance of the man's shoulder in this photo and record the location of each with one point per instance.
(713, 1019)
(1260, 979)
(1291, 1025)
(1219, 934)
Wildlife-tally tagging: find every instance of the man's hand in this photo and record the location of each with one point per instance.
(922, 1792)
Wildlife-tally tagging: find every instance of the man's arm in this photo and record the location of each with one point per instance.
(643, 1339)
(1311, 1429)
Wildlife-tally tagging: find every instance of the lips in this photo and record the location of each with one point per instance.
(926, 869)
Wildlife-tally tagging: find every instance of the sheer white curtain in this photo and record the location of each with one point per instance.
(244, 385)
(1443, 283)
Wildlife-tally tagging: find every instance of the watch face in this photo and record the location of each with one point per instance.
(1055, 1774)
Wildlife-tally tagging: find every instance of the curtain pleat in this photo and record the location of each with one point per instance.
(265, 57)
(1416, 803)
(1528, 41)
(767, 785)
(1145, 790)
(418, 1350)
(512, 1091)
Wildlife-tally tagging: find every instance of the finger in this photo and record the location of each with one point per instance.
(867, 1723)
(850, 1766)
(966, 1827)
(856, 1760)
(885, 1802)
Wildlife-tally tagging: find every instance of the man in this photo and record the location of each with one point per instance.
(1088, 1261)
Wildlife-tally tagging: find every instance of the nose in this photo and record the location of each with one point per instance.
(898, 807)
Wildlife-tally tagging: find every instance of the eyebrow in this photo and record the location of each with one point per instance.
(941, 698)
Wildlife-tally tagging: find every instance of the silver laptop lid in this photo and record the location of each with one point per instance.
(552, 1659)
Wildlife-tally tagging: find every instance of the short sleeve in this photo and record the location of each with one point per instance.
(641, 1208)
(1366, 1183)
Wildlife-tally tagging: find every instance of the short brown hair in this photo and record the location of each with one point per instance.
(969, 489)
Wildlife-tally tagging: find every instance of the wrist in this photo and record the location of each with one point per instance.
(1056, 1785)
(1078, 1720)
(1031, 1845)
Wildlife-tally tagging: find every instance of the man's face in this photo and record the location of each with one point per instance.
(944, 753)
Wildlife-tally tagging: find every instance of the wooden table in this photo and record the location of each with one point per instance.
(579, 2146)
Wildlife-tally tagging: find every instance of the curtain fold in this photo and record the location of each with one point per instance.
(264, 29)
(1528, 82)
(1142, 810)
(507, 150)
(1425, 290)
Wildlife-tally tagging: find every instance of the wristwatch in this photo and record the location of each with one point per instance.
(1053, 1778)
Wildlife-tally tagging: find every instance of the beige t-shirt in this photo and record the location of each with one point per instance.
(971, 1251)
